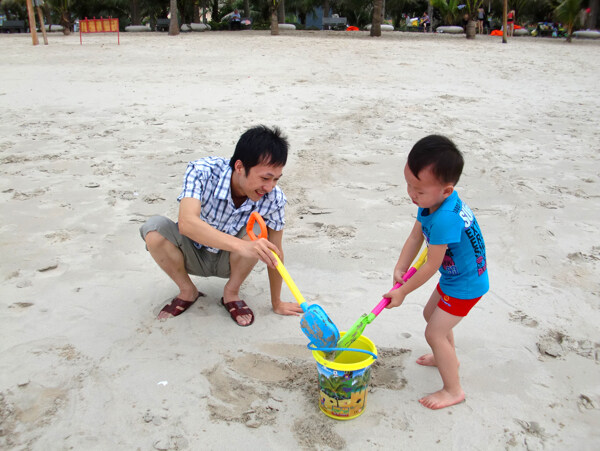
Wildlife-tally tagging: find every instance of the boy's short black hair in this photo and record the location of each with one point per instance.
(258, 145)
(441, 154)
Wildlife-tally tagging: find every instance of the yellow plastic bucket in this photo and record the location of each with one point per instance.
(343, 384)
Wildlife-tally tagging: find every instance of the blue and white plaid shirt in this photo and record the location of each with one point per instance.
(209, 180)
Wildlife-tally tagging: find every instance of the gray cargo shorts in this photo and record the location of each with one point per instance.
(199, 262)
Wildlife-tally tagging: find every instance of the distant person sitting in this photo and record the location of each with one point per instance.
(236, 20)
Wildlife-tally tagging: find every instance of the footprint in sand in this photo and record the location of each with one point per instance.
(388, 369)
(556, 344)
(314, 433)
(520, 317)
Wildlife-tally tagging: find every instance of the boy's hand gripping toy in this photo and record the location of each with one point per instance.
(359, 326)
(315, 323)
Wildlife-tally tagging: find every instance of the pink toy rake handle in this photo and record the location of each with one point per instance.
(385, 301)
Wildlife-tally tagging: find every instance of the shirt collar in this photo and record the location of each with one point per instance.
(224, 190)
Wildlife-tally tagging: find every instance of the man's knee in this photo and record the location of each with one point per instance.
(157, 224)
(154, 239)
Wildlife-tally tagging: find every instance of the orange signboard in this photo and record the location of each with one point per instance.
(102, 25)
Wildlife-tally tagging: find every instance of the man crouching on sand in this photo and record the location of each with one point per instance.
(210, 238)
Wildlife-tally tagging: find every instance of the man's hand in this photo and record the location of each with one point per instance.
(260, 249)
(396, 298)
(287, 308)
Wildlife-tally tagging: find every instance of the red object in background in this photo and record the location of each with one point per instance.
(102, 25)
(352, 28)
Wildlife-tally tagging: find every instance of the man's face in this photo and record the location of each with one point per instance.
(260, 180)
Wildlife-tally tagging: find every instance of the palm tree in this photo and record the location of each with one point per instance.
(376, 20)
(274, 5)
(332, 386)
(448, 10)
(567, 13)
(174, 23)
(471, 9)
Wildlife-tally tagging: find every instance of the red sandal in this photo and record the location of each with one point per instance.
(236, 309)
(178, 306)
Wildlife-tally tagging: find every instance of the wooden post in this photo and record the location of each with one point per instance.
(32, 30)
(42, 26)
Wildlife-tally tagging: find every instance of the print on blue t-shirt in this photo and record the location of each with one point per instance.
(464, 268)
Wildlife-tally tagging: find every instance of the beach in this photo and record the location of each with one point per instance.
(95, 139)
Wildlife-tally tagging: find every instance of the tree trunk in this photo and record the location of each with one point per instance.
(471, 30)
(174, 22)
(281, 12)
(196, 11)
(325, 8)
(32, 25)
(593, 15)
(274, 23)
(215, 11)
(136, 17)
(246, 8)
(376, 19)
(504, 21)
(65, 22)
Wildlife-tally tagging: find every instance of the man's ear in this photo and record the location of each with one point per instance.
(238, 166)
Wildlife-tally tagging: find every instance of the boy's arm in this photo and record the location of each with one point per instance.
(409, 252)
(275, 281)
(203, 233)
(435, 256)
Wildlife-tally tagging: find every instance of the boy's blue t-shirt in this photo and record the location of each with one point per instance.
(464, 268)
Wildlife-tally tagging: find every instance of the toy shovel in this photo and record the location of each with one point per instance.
(315, 323)
(359, 326)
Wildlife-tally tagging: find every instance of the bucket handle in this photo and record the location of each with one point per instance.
(364, 351)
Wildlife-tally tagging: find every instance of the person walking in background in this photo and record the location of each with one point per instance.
(510, 22)
(480, 19)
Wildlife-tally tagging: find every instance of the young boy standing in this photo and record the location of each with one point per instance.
(455, 248)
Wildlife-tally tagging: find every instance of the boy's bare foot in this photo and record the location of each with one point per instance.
(441, 399)
(426, 360)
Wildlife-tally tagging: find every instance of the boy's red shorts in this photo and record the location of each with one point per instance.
(455, 306)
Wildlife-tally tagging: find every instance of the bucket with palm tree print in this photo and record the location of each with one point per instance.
(343, 383)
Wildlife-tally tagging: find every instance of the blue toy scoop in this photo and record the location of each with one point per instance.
(315, 323)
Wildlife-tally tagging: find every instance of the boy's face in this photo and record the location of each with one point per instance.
(260, 180)
(426, 191)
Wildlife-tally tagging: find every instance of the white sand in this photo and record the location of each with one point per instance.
(96, 138)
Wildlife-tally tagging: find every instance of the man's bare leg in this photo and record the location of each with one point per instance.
(240, 269)
(438, 329)
(171, 261)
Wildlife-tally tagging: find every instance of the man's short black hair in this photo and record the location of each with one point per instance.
(261, 144)
(441, 154)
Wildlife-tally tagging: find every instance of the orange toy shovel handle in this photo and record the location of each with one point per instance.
(255, 217)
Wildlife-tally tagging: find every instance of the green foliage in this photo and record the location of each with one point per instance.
(449, 11)
(472, 7)
(14, 9)
(567, 12)
(218, 26)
